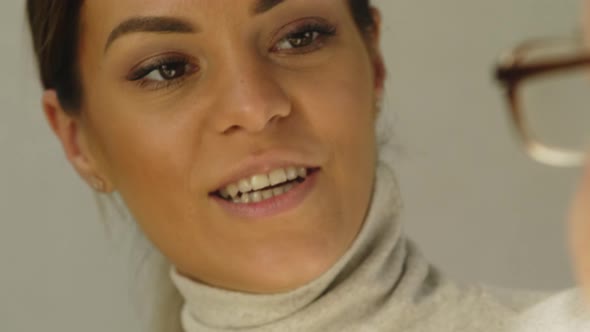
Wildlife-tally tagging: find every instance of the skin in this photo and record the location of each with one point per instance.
(165, 149)
(579, 225)
(579, 220)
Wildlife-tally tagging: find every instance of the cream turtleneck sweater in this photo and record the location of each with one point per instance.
(382, 283)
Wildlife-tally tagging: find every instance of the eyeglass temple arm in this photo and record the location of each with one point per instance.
(512, 73)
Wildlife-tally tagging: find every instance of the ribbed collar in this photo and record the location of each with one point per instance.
(367, 273)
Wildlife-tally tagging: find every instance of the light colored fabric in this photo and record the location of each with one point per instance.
(382, 283)
(563, 312)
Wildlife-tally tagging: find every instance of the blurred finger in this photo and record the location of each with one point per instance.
(580, 233)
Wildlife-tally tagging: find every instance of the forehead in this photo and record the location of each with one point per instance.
(107, 9)
(99, 17)
(142, 7)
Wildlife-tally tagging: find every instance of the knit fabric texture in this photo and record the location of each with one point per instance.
(382, 283)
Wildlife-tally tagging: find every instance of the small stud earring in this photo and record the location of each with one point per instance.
(97, 183)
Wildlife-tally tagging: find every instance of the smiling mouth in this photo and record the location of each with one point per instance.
(261, 187)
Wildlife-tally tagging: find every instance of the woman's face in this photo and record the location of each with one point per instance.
(189, 101)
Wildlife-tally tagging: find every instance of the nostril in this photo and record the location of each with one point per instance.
(231, 130)
(275, 119)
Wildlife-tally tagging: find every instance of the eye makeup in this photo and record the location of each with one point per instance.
(298, 38)
(163, 71)
(306, 35)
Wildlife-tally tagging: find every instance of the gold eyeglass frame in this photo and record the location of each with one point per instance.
(512, 71)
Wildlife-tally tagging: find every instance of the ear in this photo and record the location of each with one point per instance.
(69, 130)
(374, 40)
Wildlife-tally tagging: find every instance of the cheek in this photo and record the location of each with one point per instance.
(138, 147)
(146, 149)
(345, 113)
(342, 115)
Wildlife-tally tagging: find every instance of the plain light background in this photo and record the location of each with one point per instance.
(477, 206)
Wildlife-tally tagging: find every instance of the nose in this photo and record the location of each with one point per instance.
(251, 98)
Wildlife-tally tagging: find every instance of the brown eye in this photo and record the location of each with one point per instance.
(163, 72)
(301, 39)
(167, 72)
(307, 37)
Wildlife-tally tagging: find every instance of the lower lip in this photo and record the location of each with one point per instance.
(272, 206)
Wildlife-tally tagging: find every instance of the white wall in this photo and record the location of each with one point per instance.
(476, 205)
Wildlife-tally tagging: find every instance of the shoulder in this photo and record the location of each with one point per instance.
(506, 310)
(564, 311)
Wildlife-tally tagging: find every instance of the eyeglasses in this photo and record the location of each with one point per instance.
(547, 85)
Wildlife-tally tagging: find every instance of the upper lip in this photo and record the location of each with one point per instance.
(261, 164)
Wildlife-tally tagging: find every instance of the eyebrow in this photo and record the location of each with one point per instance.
(262, 6)
(154, 24)
(163, 24)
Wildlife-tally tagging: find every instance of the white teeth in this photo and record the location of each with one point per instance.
(277, 176)
(291, 173)
(233, 190)
(256, 197)
(245, 199)
(278, 191)
(261, 195)
(267, 194)
(302, 172)
(245, 186)
(259, 181)
(252, 187)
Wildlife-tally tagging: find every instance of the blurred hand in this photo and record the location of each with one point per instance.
(579, 233)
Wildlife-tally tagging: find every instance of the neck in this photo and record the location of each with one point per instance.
(377, 254)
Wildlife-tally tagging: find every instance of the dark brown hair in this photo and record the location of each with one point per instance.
(55, 28)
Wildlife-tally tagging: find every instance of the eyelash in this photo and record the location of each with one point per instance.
(324, 32)
(139, 75)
